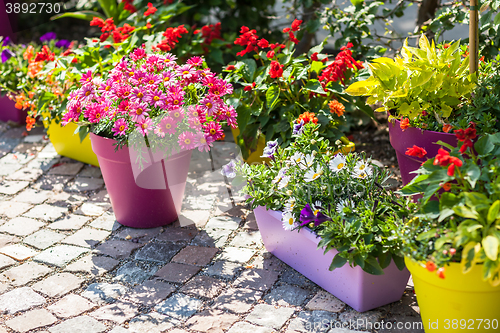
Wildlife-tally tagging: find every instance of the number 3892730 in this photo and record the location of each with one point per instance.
(33, 8)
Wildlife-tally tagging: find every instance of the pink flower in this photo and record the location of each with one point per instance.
(138, 78)
(187, 140)
(120, 127)
(138, 54)
(202, 141)
(122, 66)
(124, 107)
(156, 98)
(195, 61)
(86, 92)
(144, 126)
(86, 78)
(210, 105)
(137, 95)
(167, 125)
(68, 117)
(123, 91)
(194, 123)
(169, 59)
(214, 130)
(168, 78)
(174, 100)
(105, 88)
(95, 113)
(139, 112)
(177, 115)
(151, 79)
(186, 71)
(229, 114)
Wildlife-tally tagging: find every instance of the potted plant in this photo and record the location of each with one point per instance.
(311, 200)
(422, 91)
(145, 115)
(277, 88)
(452, 243)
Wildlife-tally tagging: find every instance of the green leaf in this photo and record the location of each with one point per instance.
(490, 245)
(399, 261)
(337, 262)
(466, 212)
(373, 267)
(81, 15)
(249, 69)
(244, 115)
(216, 55)
(384, 259)
(483, 146)
(272, 97)
(496, 20)
(472, 174)
(82, 132)
(314, 86)
(357, 2)
(493, 212)
(444, 144)
(468, 255)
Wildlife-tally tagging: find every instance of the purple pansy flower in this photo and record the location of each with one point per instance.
(270, 149)
(6, 40)
(48, 37)
(298, 128)
(6, 55)
(307, 215)
(63, 43)
(228, 169)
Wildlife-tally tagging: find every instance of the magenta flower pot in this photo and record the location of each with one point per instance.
(402, 140)
(8, 111)
(352, 285)
(146, 199)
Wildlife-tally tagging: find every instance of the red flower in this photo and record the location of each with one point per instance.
(151, 10)
(416, 152)
(97, 22)
(336, 71)
(446, 186)
(307, 117)
(443, 158)
(296, 25)
(45, 54)
(348, 46)
(314, 56)
(447, 128)
(210, 32)
(276, 69)
(129, 7)
(405, 123)
(263, 43)
(230, 68)
(247, 88)
(148, 25)
(270, 54)
(285, 30)
(431, 267)
(108, 25)
(248, 38)
(466, 136)
(440, 273)
(292, 38)
(172, 36)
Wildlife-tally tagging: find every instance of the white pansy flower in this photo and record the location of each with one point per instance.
(341, 205)
(313, 174)
(307, 162)
(284, 182)
(338, 163)
(288, 221)
(297, 158)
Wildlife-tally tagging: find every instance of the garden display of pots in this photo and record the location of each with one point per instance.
(146, 199)
(458, 303)
(8, 111)
(402, 140)
(358, 289)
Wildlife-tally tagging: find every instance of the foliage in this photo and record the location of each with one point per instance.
(463, 223)
(340, 198)
(429, 78)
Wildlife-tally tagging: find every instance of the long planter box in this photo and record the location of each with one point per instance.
(360, 290)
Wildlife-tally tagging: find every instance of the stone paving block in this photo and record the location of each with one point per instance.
(7, 144)
(71, 305)
(7, 169)
(117, 249)
(7, 240)
(18, 252)
(269, 316)
(178, 330)
(286, 295)
(43, 239)
(17, 158)
(175, 234)
(93, 209)
(21, 226)
(139, 235)
(4, 287)
(87, 237)
(407, 305)
(34, 138)
(243, 327)
(20, 299)
(158, 252)
(10, 187)
(102, 293)
(177, 273)
(267, 261)
(291, 276)
(27, 272)
(313, 321)
(60, 255)
(203, 286)
(6, 261)
(151, 323)
(223, 269)
(368, 318)
(202, 202)
(64, 199)
(32, 196)
(106, 221)
(91, 172)
(257, 279)
(326, 302)
(211, 321)
(236, 254)
(26, 174)
(250, 222)
(58, 285)
(66, 169)
(3, 330)
(119, 329)
(69, 222)
(95, 265)
(51, 183)
(81, 184)
(179, 306)
(43, 164)
(46, 212)
(224, 222)
(238, 300)
(247, 239)
(12, 209)
(211, 237)
(31, 320)
(150, 292)
(82, 324)
(134, 272)
(195, 255)
(197, 218)
(118, 312)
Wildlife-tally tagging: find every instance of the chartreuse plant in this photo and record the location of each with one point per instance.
(429, 78)
(463, 224)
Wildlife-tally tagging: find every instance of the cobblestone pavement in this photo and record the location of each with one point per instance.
(66, 265)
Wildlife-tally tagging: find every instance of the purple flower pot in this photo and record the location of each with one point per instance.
(352, 285)
(146, 199)
(8, 111)
(402, 140)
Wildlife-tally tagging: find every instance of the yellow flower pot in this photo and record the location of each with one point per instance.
(67, 143)
(458, 303)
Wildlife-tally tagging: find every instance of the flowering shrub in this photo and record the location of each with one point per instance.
(462, 225)
(149, 93)
(278, 88)
(339, 197)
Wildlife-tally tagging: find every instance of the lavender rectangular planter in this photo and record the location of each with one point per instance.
(353, 286)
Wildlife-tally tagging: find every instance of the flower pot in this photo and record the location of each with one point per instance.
(8, 111)
(67, 143)
(352, 285)
(255, 156)
(146, 199)
(402, 140)
(458, 303)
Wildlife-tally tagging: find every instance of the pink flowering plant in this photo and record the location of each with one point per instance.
(148, 97)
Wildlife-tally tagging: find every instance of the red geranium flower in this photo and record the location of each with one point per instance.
(296, 25)
(276, 69)
(405, 123)
(151, 10)
(416, 152)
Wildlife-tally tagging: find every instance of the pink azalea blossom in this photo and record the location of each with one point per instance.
(187, 141)
(139, 111)
(120, 127)
(144, 126)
